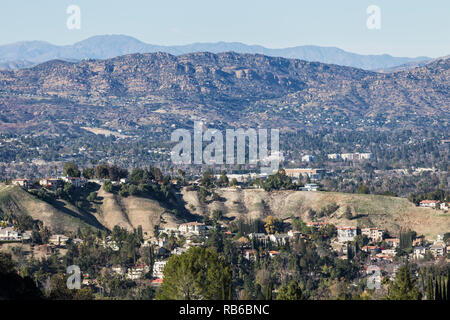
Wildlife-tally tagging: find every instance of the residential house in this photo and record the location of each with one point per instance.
(75, 181)
(279, 239)
(258, 236)
(158, 268)
(58, 240)
(307, 158)
(9, 234)
(305, 172)
(310, 187)
(371, 249)
(388, 252)
(50, 183)
(24, 183)
(393, 242)
(334, 156)
(419, 252)
(374, 234)
(347, 233)
(192, 227)
(137, 272)
(294, 234)
(439, 249)
(156, 282)
(250, 254)
(435, 204)
(179, 251)
(445, 206)
(273, 253)
(118, 270)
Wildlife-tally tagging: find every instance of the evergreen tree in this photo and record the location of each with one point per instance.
(404, 286)
(198, 274)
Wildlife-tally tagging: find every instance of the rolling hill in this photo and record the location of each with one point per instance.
(61, 216)
(389, 213)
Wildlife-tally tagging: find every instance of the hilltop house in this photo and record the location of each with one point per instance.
(310, 187)
(24, 183)
(75, 181)
(50, 183)
(435, 204)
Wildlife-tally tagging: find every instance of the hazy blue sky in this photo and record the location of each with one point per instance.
(408, 27)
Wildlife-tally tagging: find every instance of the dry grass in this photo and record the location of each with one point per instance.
(389, 213)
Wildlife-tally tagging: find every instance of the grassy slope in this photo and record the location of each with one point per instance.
(61, 216)
(131, 212)
(385, 212)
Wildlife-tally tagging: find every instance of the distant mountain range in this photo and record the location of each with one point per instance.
(25, 54)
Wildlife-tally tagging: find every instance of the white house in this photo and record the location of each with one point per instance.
(373, 234)
(9, 234)
(419, 252)
(438, 249)
(158, 269)
(58, 240)
(310, 187)
(435, 204)
(281, 238)
(347, 233)
(192, 227)
(258, 236)
(24, 183)
(75, 181)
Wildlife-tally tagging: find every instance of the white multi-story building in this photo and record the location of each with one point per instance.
(347, 233)
(9, 234)
(192, 227)
(158, 269)
(373, 234)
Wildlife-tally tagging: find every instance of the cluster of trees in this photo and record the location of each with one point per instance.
(440, 195)
(278, 181)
